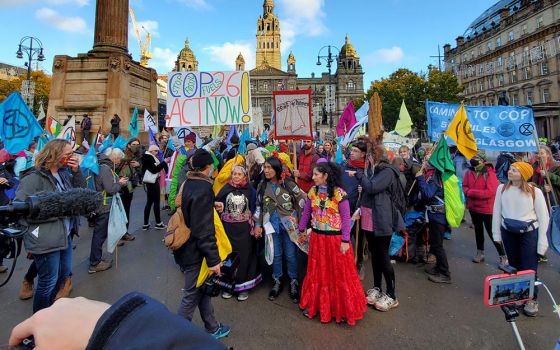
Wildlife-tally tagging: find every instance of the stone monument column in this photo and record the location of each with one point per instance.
(111, 26)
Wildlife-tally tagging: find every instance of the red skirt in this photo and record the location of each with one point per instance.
(331, 286)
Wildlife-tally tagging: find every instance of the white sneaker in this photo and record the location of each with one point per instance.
(226, 295)
(385, 303)
(373, 295)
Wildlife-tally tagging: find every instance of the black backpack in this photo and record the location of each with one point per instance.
(398, 196)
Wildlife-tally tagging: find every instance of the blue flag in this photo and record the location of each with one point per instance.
(90, 161)
(338, 157)
(230, 134)
(170, 145)
(18, 126)
(133, 126)
(243, 141)
(120, 143)
(108, 142)
(42, 141)
(152, 140)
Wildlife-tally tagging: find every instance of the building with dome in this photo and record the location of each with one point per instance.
(510, 54)
(186, 60)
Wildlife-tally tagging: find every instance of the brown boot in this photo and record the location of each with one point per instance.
(65, 289)
(26, 291)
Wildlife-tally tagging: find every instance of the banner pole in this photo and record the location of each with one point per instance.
(422, 167)
(295, 156)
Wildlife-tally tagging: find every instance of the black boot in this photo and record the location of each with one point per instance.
(294, 292)
(276, 290)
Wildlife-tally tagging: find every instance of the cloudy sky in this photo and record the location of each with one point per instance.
(388, 34)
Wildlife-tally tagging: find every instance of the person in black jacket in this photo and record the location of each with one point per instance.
(150, 163)
(197, 205)
(6, 182)
(103, 326)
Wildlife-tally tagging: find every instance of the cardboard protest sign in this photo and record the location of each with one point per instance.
(208, 98)
(292, 111)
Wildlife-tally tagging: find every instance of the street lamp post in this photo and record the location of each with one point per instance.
(31, 46)
(329, 58)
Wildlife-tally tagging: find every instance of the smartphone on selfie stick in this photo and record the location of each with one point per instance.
(507, 289)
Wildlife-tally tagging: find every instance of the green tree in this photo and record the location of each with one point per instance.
(42, 88)
(414, 89)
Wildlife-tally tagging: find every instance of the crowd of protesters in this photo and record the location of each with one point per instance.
(301, 221)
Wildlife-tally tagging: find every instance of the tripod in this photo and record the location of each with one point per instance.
(511, 313)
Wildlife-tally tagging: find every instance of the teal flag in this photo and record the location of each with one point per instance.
(170, 145)
(18, 126)
(90, 161)
(120, 143)
(108, 142)
(133, 126)
(245, 136)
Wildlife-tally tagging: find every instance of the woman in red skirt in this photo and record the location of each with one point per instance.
(331, 286)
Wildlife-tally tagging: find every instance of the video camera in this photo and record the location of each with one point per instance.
(40, 207)
(226, 282)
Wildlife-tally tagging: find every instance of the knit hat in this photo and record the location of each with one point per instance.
(524, 168)
(191, 137)
(251, 146)
(482, 156)
(283, 147)
(201, 158)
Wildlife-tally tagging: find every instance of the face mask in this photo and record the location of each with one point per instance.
(134, 148)
(474, 162)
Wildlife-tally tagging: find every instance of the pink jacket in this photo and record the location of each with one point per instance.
(480, 190)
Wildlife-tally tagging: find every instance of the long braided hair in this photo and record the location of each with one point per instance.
(334, 176)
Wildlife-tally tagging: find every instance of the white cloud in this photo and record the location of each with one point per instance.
(391, 55)
(55, 19)
(14, 3)
(301, 17)
(226, 53)
(150, 26)
(196, 4)
(163, 60)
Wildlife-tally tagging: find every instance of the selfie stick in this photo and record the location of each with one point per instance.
(511, 314)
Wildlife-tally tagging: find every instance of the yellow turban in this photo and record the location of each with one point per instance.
(525, 169)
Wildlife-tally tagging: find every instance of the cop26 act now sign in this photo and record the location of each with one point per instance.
(208, 98)
(499, 128)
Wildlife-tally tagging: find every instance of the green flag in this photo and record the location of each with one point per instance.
(441, 159)
(404, 124)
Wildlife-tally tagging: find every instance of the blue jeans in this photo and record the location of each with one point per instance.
(52, 269)
(282, 245)
(521, 250)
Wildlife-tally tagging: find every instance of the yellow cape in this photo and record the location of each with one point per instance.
(224, 249)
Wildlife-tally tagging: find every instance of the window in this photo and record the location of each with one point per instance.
(510, 36)
(540, 21)
(265, 85)
(252, 87)
(350, 85)
(513, 76)
(498, 42)
(490, 82)
(545, 95)
(524, 29)
(481, 85)
(529, 97)
(527, 73)
(514, 98)
(501, 79)
(525, 55)
(489, 46)
(544, 68)
(500, 62)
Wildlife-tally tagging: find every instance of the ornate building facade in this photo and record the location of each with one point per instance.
(511, 54)
(346, 83)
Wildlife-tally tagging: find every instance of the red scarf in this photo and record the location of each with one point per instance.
(359, 164)
(239, 185)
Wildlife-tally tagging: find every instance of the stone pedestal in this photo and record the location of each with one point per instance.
(105, 81)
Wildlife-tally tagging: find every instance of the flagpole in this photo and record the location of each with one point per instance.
(295, 157)
(423, 165)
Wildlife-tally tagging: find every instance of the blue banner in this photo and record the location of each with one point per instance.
(18, 126)
(498, 128)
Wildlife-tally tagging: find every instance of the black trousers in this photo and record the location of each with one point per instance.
(98, 238)
(153, 193)
(436, 247)
(126, 198)
(381, 262)
(481, 222)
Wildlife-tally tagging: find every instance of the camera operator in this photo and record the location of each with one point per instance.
(56, 169)
(198, 210)
(103, 326)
